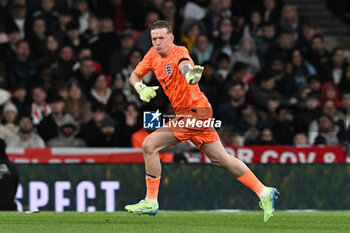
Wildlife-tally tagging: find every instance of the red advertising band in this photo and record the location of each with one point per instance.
(248, 154)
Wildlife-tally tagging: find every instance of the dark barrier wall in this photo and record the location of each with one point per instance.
(86, 187)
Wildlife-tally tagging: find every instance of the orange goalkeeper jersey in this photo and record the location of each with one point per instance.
(167, 70)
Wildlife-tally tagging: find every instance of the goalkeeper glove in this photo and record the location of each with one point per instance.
(194, 74)
(146, 93)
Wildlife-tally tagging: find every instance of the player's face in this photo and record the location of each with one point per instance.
(162, 41)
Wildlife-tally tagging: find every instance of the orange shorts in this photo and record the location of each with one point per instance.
(196, 133)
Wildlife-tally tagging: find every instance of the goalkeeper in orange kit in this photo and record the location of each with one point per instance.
(179, 79)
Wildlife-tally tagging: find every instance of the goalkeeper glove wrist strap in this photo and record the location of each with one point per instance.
(138, 86)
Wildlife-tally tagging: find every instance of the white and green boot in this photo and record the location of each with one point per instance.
(143, 207)
(268, 203)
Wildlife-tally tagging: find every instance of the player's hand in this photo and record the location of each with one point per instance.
(146, 93)
(194, 74)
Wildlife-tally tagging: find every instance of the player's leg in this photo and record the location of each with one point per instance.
(153, 143)
(219, 157)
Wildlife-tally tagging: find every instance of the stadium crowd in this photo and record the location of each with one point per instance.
(64, 69)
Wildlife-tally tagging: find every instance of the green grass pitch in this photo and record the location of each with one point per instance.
(166, 222)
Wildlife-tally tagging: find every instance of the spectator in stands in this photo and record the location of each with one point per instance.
(270, 114)
(315, 84)
(329, 109)
(86, 53)
(271, 13)
(254, 26)
(228, 38)
(8, 48)
(21, 100)
(39, 107)
(344, 84)
(19, 18)
(212, 19)
(77, 105)
(10, 118)
(48, 14)
(44, 79)
(229, 137)
(144, 41)
(68, 130)
(265, 41)
(308, 31)
(116, 106)
(62, 90)
(63, 69)
(337, 65)
(330, 91)
(266, 137)
(239, 73)
(109, 136)
(100, 91)
(51, 50)
(246, 54)
(169, 10)
(131, 125)
(85, 74)
(318, 56)
(37, 39)
(81, 10)
(133, 59)
(283, 48)
(191, 30)
(228, 111)
(226, 9)
(302, 69)
(91, 33)
(223, 66)
(203, 50)
(290, 20)
(118, 11)
(90, 130)
(283, 127)
(5, 9)
(308, 112)
(119, 83)
(73, 37)
(300, 140)
(260, 94)
(119, 58)
(49, 126)
(64, 18)
(22, 69)
(107, 43)
(8, 181)
(248, 122)
(328, 133)
(282, 72)
(26, 138)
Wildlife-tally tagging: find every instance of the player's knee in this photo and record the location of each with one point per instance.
(148, 147)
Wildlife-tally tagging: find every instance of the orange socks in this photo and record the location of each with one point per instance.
(152, 185)
(250, 180)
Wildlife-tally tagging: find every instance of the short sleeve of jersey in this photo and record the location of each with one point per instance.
(184, 57)
(145, 65)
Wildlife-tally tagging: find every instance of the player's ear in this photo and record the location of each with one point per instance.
(172, 37)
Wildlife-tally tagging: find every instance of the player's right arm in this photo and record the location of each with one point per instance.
(191, 72)
(146, 93)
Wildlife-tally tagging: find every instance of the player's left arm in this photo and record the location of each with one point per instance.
(192, 73)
